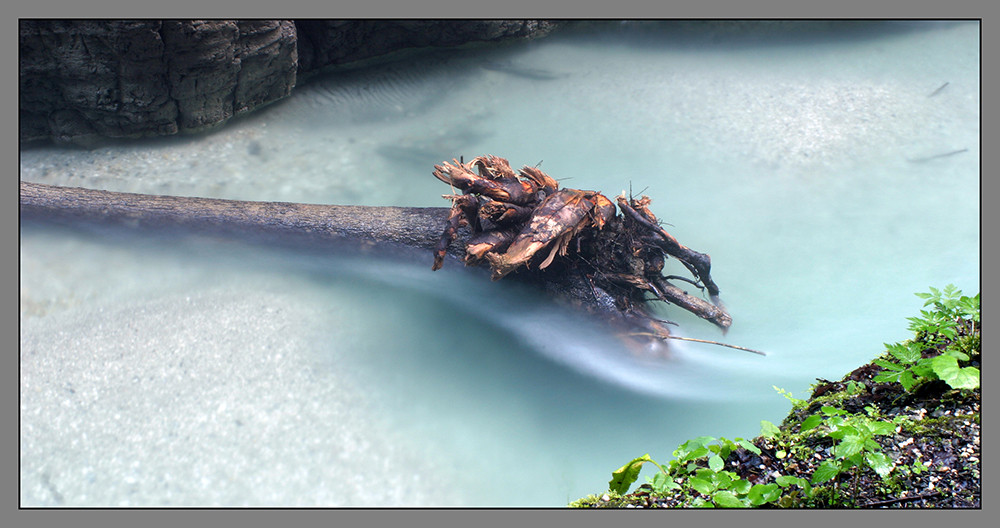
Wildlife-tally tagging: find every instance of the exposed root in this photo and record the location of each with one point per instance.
(524, 222)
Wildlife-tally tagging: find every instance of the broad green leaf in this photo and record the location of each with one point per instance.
(787, 480)
(850, 445)
(968, 378)
(763, 493)
(726, 448)
(855, 460)
(834, 423)
(697, 453)
(702, 485)
(957, 354)
(948, 329)
(832, 411)
(715, 463)
(880, 463)
(886, 377)
(853, 427)
(918, 325)
(811, 422)
(740, 486)
(749, 445)
(882, 428)
(623, 478)
(946, 368)
(694, 448)
(726, 499)
(767, 430)
(922, 369)
(826, 471)
(662, 483)
(723, 479)
(888, 365)
(907, 380)
(904, 353)
(969, 307)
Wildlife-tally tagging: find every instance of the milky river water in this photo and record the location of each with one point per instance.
(830, 171)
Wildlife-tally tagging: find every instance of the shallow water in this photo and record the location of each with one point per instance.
(804, 163)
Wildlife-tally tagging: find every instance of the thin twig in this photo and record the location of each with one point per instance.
(745, 349)
(903, 499)
(936, 156)
(694, 283)
(935, 92)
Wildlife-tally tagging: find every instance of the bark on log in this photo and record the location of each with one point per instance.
(416, 227)
(297, 224)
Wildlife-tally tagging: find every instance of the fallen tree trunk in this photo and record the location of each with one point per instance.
(417, 227)
(296, 224)
(332, 226)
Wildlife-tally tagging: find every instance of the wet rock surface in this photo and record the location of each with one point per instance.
(85, 81)
(326, 43)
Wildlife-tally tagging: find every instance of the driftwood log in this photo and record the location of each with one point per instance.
(292, 224)
(417, 227)
(327, 226)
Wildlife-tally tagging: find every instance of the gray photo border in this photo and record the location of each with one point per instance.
(459, 9)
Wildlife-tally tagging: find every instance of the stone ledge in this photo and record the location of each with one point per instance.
(85, 81)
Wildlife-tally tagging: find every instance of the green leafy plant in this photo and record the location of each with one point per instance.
(946, 334)
(855, 448)
(792, 497)
(623, 477)
(788, 396)
(699, 465)
(952, 303)
(939, 327)
(768, 429)
(912, 369)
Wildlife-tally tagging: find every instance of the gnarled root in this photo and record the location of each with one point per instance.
(524, 221)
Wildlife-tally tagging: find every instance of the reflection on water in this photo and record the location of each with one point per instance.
(788, 157)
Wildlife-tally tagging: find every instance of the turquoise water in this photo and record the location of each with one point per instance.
(804, 163)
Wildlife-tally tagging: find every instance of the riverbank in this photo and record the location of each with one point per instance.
(902, 431)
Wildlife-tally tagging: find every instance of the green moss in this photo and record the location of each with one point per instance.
(609, 499)
(590, 501)
(935, 427)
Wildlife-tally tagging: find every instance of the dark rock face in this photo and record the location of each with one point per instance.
(77, 84)
(325, 43)
(83, 81)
